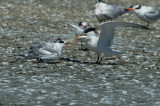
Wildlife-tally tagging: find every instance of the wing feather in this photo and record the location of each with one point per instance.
(107, 31)
(153, 15)
(76, 26)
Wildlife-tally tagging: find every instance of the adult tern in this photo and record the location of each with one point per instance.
(44, 51)
(101, 45)
(146, 13)
(105, 11)
(83, 26)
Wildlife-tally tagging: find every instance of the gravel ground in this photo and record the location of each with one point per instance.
(130, 79)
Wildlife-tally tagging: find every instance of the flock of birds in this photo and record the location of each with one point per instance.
(101, 44)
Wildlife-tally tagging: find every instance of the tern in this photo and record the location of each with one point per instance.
(80, 28)
(44, 51)
(83, 26)
(101, 44)
(146, 13)
(105, 11)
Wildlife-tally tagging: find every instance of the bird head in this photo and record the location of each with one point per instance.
(135, 7)
(84, 24)
(59, 40)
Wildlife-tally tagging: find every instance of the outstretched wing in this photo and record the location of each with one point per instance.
(107, 31)
(76, 26)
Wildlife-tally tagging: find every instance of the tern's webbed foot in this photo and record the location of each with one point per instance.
(97, 62)
(39, 60)
(84, 49)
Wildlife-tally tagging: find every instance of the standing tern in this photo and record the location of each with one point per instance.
(105, 11)
(101, 45)
(43, 51)
(146, 13)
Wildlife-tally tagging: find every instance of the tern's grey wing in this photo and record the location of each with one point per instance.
(154, 14)
(113, 11)
(118, 10)
(36, 45)
(107, 31)
(41, 48)
(50, 47)
(76, 26)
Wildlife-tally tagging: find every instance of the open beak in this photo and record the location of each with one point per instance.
(129, 9)
(76, 38)
(75, 41)
(68, 46)
(67, 42)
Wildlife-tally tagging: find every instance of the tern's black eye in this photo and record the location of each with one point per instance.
(139, 7)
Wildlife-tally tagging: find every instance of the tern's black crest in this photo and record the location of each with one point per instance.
(89, 30)
(99, 1)
(80, 23)
(138, 7)
(59, 40)
(131, 6)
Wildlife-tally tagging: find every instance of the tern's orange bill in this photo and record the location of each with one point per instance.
(68, 46)
(67, 42)
(78, 36)
(75, 41)
(129, 9)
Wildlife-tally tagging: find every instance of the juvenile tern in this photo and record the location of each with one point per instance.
(146, 13)
(101, 45)
(105, 11)
(43, 51)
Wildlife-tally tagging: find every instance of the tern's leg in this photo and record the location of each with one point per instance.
(40, 60)
(147, 24)
(100, 60)
(81, 45)
(97, 59)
